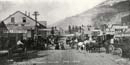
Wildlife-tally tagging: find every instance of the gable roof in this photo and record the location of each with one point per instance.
(26, 16)
(116, 24)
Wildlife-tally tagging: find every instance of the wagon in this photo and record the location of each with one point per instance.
(103, 41)
(115, 48)
(17, 54)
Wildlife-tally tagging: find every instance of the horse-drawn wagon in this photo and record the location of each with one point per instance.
(100, 43)
(110, 43)
(17, 53)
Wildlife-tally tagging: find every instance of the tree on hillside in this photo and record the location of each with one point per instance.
(69, 29)
(55, 28)
(80, 29)
(73, 29)
(103, 27)
(52, 30)
(76, 28)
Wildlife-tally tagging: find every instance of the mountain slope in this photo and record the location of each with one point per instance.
(109, 11)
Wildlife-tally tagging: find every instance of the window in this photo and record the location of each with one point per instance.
(24, 19)
(12, 19)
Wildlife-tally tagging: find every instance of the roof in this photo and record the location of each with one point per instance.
(45, 29)
(26, 16)
(68, 35)
(43, 23)
(2, 26)
(118, 26)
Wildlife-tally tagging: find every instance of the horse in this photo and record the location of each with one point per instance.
(81, 46)
(91, 45)
(111, 48)
(87, 45)
(73, 43)
(96, 46)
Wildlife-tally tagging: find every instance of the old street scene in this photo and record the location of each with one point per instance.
(65, 32)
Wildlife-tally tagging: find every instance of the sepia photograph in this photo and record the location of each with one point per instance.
(64, 32)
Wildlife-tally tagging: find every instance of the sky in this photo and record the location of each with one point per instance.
(49, 10)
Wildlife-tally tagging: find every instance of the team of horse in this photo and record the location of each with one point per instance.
(88, 45)
(93, 45)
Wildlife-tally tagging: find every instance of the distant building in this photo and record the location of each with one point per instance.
(87, 29)
(47, 30)
(91, 30)
(126, 20)
(56, 31)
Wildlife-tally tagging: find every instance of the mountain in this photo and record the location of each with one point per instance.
(110, 11)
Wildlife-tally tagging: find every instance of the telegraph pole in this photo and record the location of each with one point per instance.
(36, 29)
(36, 14)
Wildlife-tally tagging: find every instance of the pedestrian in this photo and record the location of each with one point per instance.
(112, 41)
(20, 43)
(20, 46)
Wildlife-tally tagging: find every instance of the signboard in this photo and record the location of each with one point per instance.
(120, 27)
(17, 31)
(122, 35)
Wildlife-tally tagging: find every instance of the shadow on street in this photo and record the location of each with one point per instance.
(30, 55)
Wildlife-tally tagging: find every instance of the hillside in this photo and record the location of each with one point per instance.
(109, 11)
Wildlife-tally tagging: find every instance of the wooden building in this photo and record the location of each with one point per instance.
(19, 25)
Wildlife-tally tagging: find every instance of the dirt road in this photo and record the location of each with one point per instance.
(71, 57)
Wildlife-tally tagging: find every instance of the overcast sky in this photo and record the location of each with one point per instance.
(49, 10)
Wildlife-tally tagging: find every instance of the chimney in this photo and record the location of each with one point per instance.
(29, 14)
(25, 12)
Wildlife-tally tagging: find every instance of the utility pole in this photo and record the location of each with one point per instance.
(36, 14)
(36, 28)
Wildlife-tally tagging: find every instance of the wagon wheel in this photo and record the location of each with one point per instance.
(102, 49)
(118, 51)
(111, 49)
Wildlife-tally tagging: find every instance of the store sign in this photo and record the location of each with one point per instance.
(122, 35)
(17, 31)
(120, 27)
